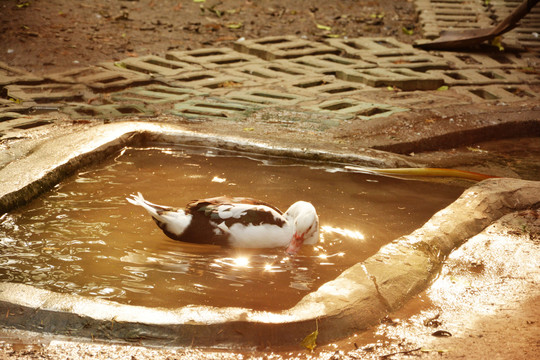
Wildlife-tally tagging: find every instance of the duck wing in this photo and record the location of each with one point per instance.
(222, 220)
(211, 203)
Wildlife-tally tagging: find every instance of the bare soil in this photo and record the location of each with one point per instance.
(46, 36)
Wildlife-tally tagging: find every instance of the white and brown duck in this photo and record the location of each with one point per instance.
(237, 222)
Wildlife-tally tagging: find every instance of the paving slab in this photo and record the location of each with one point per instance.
(329, 63)
(156, 66)
(201, 109)
(12, 75)
(84, 111)
(282, 47)
(498, 60)
(401, 78)
(46, 93)
(213, 58)
(350, 108)
(524, 34)
(156, 94)
(210, 81)
(483, 77)
(322, 85)
(14, 121)
(101, 79)
(270, 72)
(436, 16)
(502, 93)
(374, 47)
(266, 96)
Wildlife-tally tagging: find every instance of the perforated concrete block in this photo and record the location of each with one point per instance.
(282, 47)
(209, 81)
(372, 46)
(323, 85)
(502, 93)
(265, 96)
(353, 108)
(481, 77)
(13, 75)
(46, 93)
(201, 109)
(471, 60)
(102, 79)
(83, 111)
(404, 79)
(213, 58)
(156, 66)
(156, 94)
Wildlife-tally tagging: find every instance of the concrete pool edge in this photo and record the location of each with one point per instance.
(355, 300)
(59, 157)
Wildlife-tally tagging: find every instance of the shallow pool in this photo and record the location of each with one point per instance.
(84, 238)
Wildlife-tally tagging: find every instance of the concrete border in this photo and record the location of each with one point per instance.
(355, 300)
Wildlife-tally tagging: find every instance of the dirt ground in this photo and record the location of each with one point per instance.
(47, 36)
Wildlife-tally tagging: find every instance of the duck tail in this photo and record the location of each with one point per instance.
(153, 209)
(173, 222)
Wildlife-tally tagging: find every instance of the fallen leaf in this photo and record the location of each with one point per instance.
(441, 333)
(235, 25)
(310, 341)
(249, 129)
(443, 88)
(334, 35)
(407, 31)
(199, 1)
(497, 42)
(324, 27)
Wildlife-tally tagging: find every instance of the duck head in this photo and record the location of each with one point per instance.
(306, 225)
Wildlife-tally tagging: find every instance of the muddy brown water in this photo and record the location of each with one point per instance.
(84, 238)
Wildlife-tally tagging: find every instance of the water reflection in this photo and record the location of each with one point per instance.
(84, 238)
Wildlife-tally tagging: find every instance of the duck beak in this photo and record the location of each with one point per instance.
(295, 245)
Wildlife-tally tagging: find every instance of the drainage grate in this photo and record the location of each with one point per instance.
(213, 58)
(46, 93)
(102, 79)
(217, 109)
(106, 111)
(404, 79)
(156, 66)
(283, 47)
(156, 94)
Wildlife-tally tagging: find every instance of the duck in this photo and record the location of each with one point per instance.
(236, 222)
